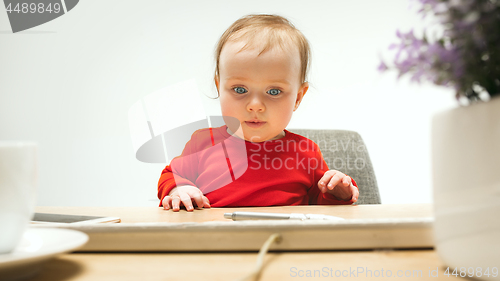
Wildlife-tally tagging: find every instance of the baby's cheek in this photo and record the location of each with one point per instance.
(225, 104)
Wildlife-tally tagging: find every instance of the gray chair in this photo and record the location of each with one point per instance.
(345, 151)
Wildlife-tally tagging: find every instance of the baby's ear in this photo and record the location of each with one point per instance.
(216, 80)
(304, 87)
(300, 94)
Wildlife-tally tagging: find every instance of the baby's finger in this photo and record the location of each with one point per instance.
(197, 197)
(186, 200)
(355, 193)
(176, 201)
(206, 202)
(335, 180)
(166, 202)
(324, 180)
(346, 181)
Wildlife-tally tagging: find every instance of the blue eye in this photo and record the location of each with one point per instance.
(274, 92)
(239, 90)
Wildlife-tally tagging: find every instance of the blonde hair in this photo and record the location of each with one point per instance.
(273, 30)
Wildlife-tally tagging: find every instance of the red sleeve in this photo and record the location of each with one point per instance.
(315, 195)
(181, 171)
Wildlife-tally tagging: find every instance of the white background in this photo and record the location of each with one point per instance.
(69, 84)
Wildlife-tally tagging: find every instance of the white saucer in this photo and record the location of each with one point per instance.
(37, 246)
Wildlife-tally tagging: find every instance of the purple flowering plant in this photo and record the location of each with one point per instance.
(466, 56)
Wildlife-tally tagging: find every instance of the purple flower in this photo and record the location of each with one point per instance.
(468, 53)
(382, 67)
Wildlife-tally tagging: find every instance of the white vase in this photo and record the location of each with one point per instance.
(466, 182)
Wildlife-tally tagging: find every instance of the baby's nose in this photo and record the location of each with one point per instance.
(255, 104)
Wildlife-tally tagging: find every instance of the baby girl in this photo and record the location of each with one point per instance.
(261, 69)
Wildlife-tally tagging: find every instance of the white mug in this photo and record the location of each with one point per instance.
(18, 180)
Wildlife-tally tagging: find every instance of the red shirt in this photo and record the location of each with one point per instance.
(232, 172)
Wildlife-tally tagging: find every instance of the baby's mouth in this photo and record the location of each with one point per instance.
(255, 123)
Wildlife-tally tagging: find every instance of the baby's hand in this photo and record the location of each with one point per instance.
(185, 195)
(339, 185)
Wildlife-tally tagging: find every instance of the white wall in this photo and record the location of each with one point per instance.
(69, 84)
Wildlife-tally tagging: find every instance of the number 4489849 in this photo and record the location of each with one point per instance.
(34, 8)
(471, 272)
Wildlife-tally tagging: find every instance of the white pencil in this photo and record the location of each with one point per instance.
(237, 216)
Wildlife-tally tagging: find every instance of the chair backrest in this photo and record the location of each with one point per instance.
(345, 151)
